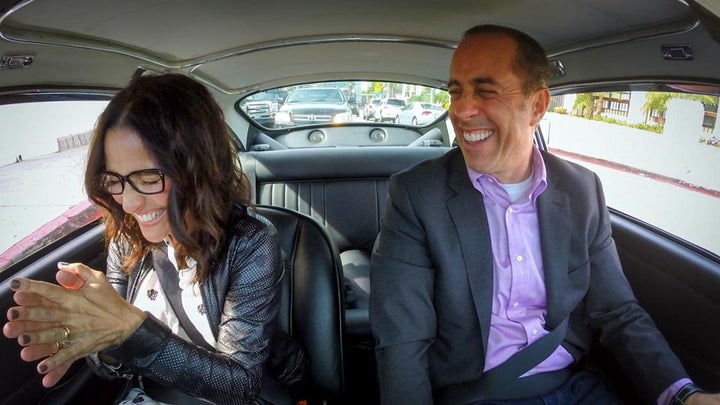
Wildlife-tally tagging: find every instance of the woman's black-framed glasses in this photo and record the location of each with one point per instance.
(148, 181)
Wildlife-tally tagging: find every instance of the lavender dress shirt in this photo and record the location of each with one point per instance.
(519, 301)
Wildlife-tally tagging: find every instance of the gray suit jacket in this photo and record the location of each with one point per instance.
(432, 281)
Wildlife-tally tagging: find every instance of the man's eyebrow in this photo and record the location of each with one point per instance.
(483, 80)
(476, 81)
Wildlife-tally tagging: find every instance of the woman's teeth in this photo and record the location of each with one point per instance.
(149, 216)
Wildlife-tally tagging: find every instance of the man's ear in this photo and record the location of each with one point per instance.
(540, 101)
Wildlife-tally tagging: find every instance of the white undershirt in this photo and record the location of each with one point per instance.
(516, 190)
(151, 298)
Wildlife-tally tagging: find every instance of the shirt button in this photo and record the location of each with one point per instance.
(519, 258)
(534, 331)
(515, 304)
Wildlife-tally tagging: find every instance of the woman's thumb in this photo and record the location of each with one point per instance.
(73, 276)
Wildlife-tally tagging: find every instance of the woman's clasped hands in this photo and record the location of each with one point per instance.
(63, 323)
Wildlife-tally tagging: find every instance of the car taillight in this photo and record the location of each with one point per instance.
(426, 113)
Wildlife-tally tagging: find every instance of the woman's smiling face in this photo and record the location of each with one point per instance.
(126, 153)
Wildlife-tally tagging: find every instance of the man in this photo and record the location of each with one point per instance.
(487, 250)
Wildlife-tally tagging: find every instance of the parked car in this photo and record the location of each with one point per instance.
(389, 109)
(61, 61)
(315, 105)
(262, 107)
(417, 113)
(370, 107)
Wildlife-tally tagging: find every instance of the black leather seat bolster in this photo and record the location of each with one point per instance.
(344, 189)
(311, 299)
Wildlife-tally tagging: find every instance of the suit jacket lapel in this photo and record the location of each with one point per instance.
(554, 222)
(467, 211)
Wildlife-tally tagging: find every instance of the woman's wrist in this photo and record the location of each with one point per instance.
(146, 339)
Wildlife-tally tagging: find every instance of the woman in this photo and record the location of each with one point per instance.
(163, 166)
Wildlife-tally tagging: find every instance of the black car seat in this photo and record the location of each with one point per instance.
(311, 303)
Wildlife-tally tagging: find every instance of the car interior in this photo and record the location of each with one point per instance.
(324, 186)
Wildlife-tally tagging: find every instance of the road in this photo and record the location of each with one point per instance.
(37, 190)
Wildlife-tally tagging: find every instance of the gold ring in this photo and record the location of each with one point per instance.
(57, 348)
(65, 341)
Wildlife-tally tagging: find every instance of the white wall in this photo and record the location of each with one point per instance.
(676, 153)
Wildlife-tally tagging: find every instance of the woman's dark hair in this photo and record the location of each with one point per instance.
(183, 128)
(530, 59)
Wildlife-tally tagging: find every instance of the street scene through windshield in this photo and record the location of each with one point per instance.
(345, 102)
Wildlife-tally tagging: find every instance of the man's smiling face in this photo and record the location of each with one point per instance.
(492, 117)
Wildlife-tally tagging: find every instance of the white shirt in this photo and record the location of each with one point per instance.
(151, 298)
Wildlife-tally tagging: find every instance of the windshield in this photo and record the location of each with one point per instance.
(316, 96)
(340, 103)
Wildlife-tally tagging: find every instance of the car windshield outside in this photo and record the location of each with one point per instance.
(338, 103)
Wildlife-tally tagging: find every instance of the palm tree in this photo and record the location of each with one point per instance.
(584, 105)
(657, 102)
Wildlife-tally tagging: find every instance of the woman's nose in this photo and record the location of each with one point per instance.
(131, 199)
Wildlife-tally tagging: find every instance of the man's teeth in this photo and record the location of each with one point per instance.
(477, 135)
(148, 217)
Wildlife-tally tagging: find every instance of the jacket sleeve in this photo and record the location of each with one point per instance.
(233, 374)
(624, 327)
(402, 317)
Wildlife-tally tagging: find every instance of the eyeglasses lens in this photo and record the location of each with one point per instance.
(144, 182)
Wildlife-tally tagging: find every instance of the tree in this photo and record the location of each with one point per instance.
(657, 102)
(442, 98)
(584, 105)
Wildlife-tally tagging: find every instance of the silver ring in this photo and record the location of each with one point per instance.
(65, 341)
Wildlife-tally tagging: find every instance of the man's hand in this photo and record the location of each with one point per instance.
(702, 398)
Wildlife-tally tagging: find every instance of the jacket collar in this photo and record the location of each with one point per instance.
(467, 210)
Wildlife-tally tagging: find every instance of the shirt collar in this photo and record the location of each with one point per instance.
(491, 188)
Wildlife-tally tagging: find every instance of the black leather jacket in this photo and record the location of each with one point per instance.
(241, 298)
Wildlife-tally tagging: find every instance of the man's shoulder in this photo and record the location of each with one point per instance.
(430, 169)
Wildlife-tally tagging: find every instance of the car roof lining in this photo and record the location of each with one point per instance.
(229, 47)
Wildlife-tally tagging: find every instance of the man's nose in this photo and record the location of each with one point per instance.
(464, 107)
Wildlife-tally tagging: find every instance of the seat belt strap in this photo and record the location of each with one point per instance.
(503, 382)
(169, 280)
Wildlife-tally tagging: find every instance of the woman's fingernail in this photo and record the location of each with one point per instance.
(24, 339)
(42, 369)
(62, 264)
(14, 314)
(14, 284)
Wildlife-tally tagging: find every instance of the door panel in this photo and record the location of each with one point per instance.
(20, 381)
(680, 288)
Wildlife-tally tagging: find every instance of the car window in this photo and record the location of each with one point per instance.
(656, 152)
(42, 162)
(335, 103)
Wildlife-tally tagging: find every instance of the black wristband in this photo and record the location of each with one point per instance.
(683, 393)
